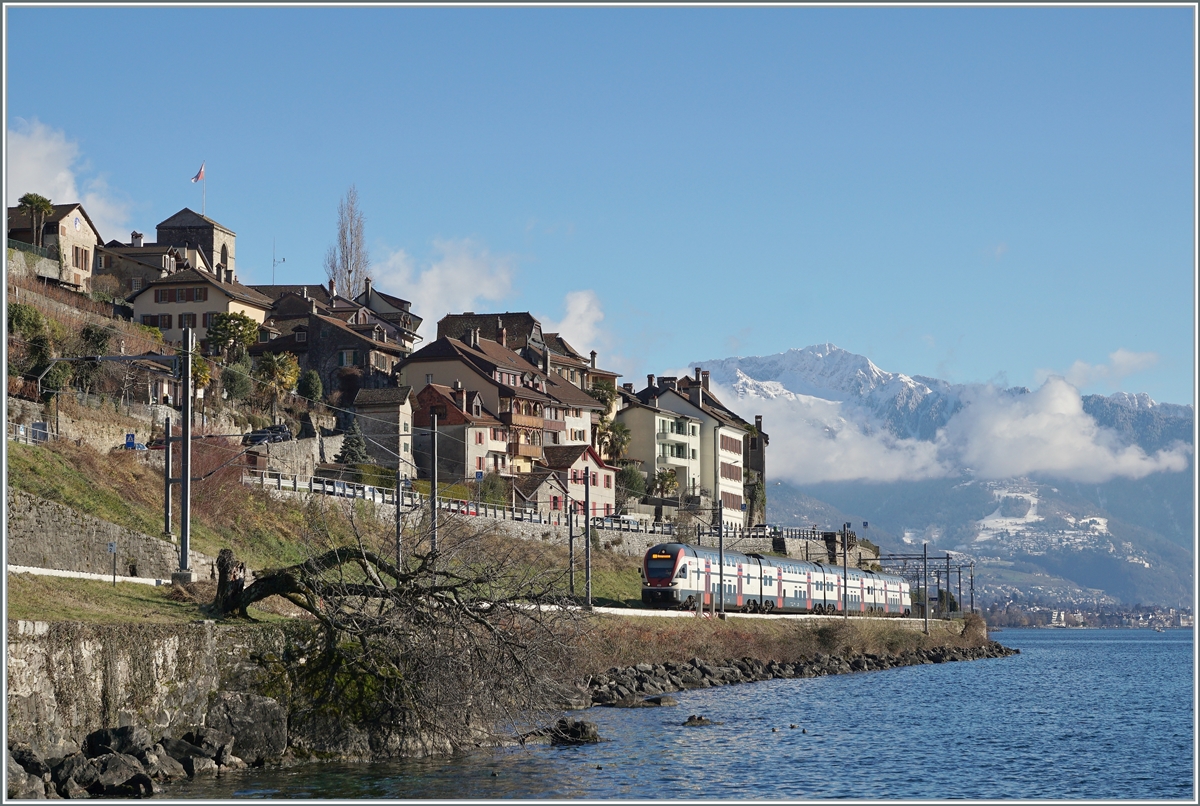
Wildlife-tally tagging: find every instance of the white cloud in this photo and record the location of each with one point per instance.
(461, 275)
(43, 160)
(581, 325)
(1046, 432)
(1121, 364)
(812, 442)
(995, 435)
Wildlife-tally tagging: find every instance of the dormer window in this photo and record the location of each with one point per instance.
(301, 335)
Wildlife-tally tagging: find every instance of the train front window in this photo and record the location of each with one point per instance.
(660, 566)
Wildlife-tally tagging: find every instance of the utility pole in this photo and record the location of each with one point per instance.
(433, 501)
(721, 552)
(947, 585)
(972, 587)
(185, 456)
(925, 584)
(167, 478)
(587, 541)
(570, 535)
(396, 501)
(845, 571)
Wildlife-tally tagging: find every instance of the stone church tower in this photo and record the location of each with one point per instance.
(187, 228)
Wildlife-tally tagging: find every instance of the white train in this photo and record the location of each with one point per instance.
(675, 575)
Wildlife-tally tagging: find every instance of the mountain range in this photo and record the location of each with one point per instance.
(1058, 498)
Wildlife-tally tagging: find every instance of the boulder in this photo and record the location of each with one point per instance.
(199, 765)
(574, 731)
(117, 768)
(29, 761)
(180, 750)
(161, 767)
(259, 723)
(694, 721)
(131, 740)
(64, 769)
(74, 790)
(216, 744)
(663, 700)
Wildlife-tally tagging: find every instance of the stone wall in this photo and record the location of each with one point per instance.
(66, 680)
(44, 534)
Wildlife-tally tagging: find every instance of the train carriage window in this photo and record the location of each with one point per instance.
(683, 574)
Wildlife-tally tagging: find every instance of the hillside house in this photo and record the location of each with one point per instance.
(191, 298)
(68, 235)
(386, 419)
(581, 467)
(471, 439)
(509, 386)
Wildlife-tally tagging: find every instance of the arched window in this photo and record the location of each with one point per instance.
(225, 255)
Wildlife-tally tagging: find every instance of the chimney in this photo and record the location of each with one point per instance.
(460, 395)
(593, 359)
(304, 291)
(546, 361)
(650, 381)
(229, 275)
(758, 424)
(669, 382)
(628, 387)
(312, 304)
(704, 380)
(697, 374)
(367, 282)
(503, 338)
(475, 337)
(332, 288)
(135, 238)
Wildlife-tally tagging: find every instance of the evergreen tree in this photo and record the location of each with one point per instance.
(354, 448)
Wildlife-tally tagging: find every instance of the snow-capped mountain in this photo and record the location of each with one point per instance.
(907, 407)
(918, 456)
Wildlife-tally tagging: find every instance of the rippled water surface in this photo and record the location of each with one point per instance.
(1096, 714)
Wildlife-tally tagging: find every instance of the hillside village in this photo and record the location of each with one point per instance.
(521, 415)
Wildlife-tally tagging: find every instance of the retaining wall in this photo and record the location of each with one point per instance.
(45, 534)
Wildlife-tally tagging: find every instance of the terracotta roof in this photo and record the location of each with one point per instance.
(489, 354)
(18, 220)
(188, 217)
(390, 346)
(485, 418)
(518, 326)
(527, 484)
(388, 396)
(318, 292)
(193, 276)
(560, 456)
(569, 394)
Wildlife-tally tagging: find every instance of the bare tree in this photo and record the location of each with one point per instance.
(448, 651)
(347, 261)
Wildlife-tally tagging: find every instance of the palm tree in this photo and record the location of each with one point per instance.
(278, 373)
(614, 439)
(37, 207)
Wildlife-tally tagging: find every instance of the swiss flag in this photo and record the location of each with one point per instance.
(199, 175)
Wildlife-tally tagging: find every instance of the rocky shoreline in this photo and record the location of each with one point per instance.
(127, 762)
(631, 686)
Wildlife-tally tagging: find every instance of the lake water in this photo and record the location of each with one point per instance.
(1079, 714)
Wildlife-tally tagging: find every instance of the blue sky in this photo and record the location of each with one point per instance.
(976, 194)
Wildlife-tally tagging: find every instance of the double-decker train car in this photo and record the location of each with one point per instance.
(675, 575)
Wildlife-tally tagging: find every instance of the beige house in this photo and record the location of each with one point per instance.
(582, 470)
(67, 234)
(191, 298)
(386, 419)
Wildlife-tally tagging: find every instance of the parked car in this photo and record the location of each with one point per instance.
(279, 433)
(156, 444)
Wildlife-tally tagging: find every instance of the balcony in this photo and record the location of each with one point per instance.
(518, 449)
(554, 425)
(522, 420)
